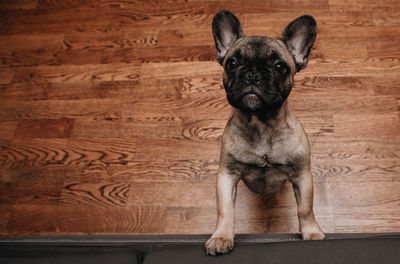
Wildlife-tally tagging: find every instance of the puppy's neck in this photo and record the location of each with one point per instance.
(272, 118)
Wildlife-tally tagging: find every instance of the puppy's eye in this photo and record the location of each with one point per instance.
(280, 67)
(231, 64)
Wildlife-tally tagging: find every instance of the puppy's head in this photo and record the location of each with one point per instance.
(259, 71)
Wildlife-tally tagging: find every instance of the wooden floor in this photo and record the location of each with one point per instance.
(111, 114)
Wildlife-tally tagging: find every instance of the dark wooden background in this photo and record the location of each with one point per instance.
(111, 114)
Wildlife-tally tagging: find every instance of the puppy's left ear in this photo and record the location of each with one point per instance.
(226, 30)
(299, 37)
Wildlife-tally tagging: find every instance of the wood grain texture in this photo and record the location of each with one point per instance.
(64, 152)
(112, 112)
(44, 128)
(112, 194)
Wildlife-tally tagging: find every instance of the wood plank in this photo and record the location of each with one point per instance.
(7, 129)
(187, 37)
(113, 37)
(364, 219)
(102, 19)
(260, 6)
(70, 52)
(360, 5)
(47, 20)
(356, 169)
(51, 174)
(44, 128)
(36, 89)
(154, 7)
(341, 104)
(350, 87)
(372, 207)
(111, 220)
(51, 4)
(198, 86)
(5, 212)
(387, 86)
(199, 130)
(30, 193)
(273, 23)
(6, 76)
(50, 109)
(375, 194)
(164, 171)
(79, 73)
(18, 4)
(361, 124)
(354, 67)
(156, 170)
(387, 18)
(316, 125)
(33, 49)
(179, 220)
(159, 54)
(149, 149)
(382, 42)
(63, 152)
(95, 194)
(200, 108)
(32, 219)
(338, 148)
(196, 194)
(179, 69)
(28, 220)
(127, 128)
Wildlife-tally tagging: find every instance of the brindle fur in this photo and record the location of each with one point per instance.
(268, 146)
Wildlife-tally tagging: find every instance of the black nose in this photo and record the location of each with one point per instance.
(252, 77)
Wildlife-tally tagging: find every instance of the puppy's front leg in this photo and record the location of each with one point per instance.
(303, 190)
(222, 239)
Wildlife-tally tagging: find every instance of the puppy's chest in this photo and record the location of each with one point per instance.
(265, 165)
(260, 148)
(266, 155)
(266, 146)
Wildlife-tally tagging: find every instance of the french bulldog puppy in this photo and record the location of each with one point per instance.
(263, 143)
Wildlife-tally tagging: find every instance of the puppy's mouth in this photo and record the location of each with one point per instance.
(251, 101)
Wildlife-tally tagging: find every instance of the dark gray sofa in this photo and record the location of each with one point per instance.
(152, 249)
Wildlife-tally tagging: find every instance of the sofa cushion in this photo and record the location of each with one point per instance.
(69, 255)
(340, 251)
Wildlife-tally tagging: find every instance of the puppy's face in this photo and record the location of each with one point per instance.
(258, 74)
(259, 71)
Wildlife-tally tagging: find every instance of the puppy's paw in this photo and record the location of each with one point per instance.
(312, 232)
(219, 245)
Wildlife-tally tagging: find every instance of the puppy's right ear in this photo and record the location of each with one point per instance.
(226, 30)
